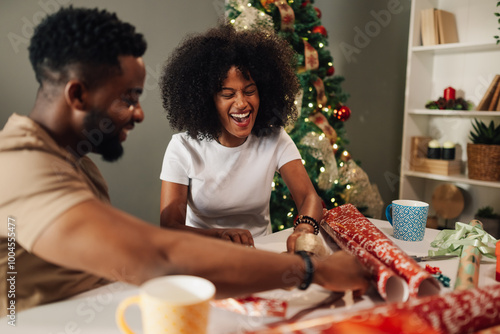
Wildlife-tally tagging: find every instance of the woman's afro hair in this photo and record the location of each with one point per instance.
(195, 71)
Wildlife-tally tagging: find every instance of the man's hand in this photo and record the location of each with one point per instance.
(341, 271)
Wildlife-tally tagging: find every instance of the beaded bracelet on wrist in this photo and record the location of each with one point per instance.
(306, 220)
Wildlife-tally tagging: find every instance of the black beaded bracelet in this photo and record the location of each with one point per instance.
(309, 270)
(306, 220)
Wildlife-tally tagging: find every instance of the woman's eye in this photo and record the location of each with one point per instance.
(251, 92)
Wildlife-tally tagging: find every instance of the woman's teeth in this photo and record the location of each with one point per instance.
(240, 117)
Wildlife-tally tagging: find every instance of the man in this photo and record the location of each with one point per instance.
(60, 234)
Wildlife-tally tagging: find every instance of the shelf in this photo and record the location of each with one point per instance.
(456, 48)
(437, 112)
(469, 66)
(453, 178)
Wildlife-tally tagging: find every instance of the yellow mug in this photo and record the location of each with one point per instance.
(171, 304)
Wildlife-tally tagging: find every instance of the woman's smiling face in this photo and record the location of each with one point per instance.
(237, 105)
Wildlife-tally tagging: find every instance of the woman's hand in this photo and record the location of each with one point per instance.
(236, 235)
(297, 232)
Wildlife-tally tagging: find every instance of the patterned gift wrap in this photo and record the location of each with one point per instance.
(354, 233)
(390, 286)
(253, 306)
(455, 312)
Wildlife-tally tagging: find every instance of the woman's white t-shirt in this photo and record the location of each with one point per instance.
(229, 187)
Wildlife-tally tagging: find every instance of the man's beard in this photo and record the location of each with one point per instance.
(105, 143)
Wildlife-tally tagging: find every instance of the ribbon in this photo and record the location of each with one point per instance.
(287, 16)
(320, 92)
(437, 274)
(321, 149)
(311, 59)
(452, 241)
(322, 122)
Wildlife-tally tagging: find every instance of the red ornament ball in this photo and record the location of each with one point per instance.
(305, 3)
(318, 12)
(319, 30)
(342, 113)
(330, 71)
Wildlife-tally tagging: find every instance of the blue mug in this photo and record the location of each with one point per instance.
(408, 219)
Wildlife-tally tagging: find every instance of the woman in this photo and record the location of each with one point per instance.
(232, 93)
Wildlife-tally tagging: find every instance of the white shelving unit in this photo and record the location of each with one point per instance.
(468, 66)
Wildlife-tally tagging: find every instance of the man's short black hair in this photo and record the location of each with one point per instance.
(87, 40)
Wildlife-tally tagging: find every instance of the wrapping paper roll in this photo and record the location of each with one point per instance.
(468, 266)
(456, 312)
(389, 285)
(355, 233)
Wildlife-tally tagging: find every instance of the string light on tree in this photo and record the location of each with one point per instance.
(346, 156)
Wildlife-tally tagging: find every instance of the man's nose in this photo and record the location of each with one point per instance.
(138, 114)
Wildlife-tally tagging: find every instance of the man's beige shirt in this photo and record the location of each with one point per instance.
(39, 180)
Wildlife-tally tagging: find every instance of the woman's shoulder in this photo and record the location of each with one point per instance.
(189, 143)
(275, 138)
(185, 139)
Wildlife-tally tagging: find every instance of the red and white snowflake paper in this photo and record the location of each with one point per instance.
(452, 313)
(396, 275)
(253, 306)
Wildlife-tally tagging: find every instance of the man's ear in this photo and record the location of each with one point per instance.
(76, 95)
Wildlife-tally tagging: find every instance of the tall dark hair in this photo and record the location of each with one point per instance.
(88, 40)
(195, 71)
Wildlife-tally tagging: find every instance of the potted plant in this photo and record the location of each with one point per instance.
(490, 220)
(483, 155)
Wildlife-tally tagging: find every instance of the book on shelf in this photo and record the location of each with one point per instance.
(428, 27)
(498, 105)
(437, 27)
(494, 99)
(490, 99)
(447, 27)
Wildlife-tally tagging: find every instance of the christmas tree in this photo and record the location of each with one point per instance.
(319, 130)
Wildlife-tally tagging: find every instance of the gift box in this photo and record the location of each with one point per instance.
(395, 274)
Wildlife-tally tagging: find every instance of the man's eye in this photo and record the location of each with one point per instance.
(130, 102)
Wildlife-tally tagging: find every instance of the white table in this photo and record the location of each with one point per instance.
(93, 312)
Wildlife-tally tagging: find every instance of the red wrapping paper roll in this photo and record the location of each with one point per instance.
(345, 224)
(389, 285)
(456, 312)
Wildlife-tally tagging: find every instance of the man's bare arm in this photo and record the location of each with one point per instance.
(107, 242)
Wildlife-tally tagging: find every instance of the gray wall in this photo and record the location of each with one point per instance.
(375, 80)
(368, 40)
